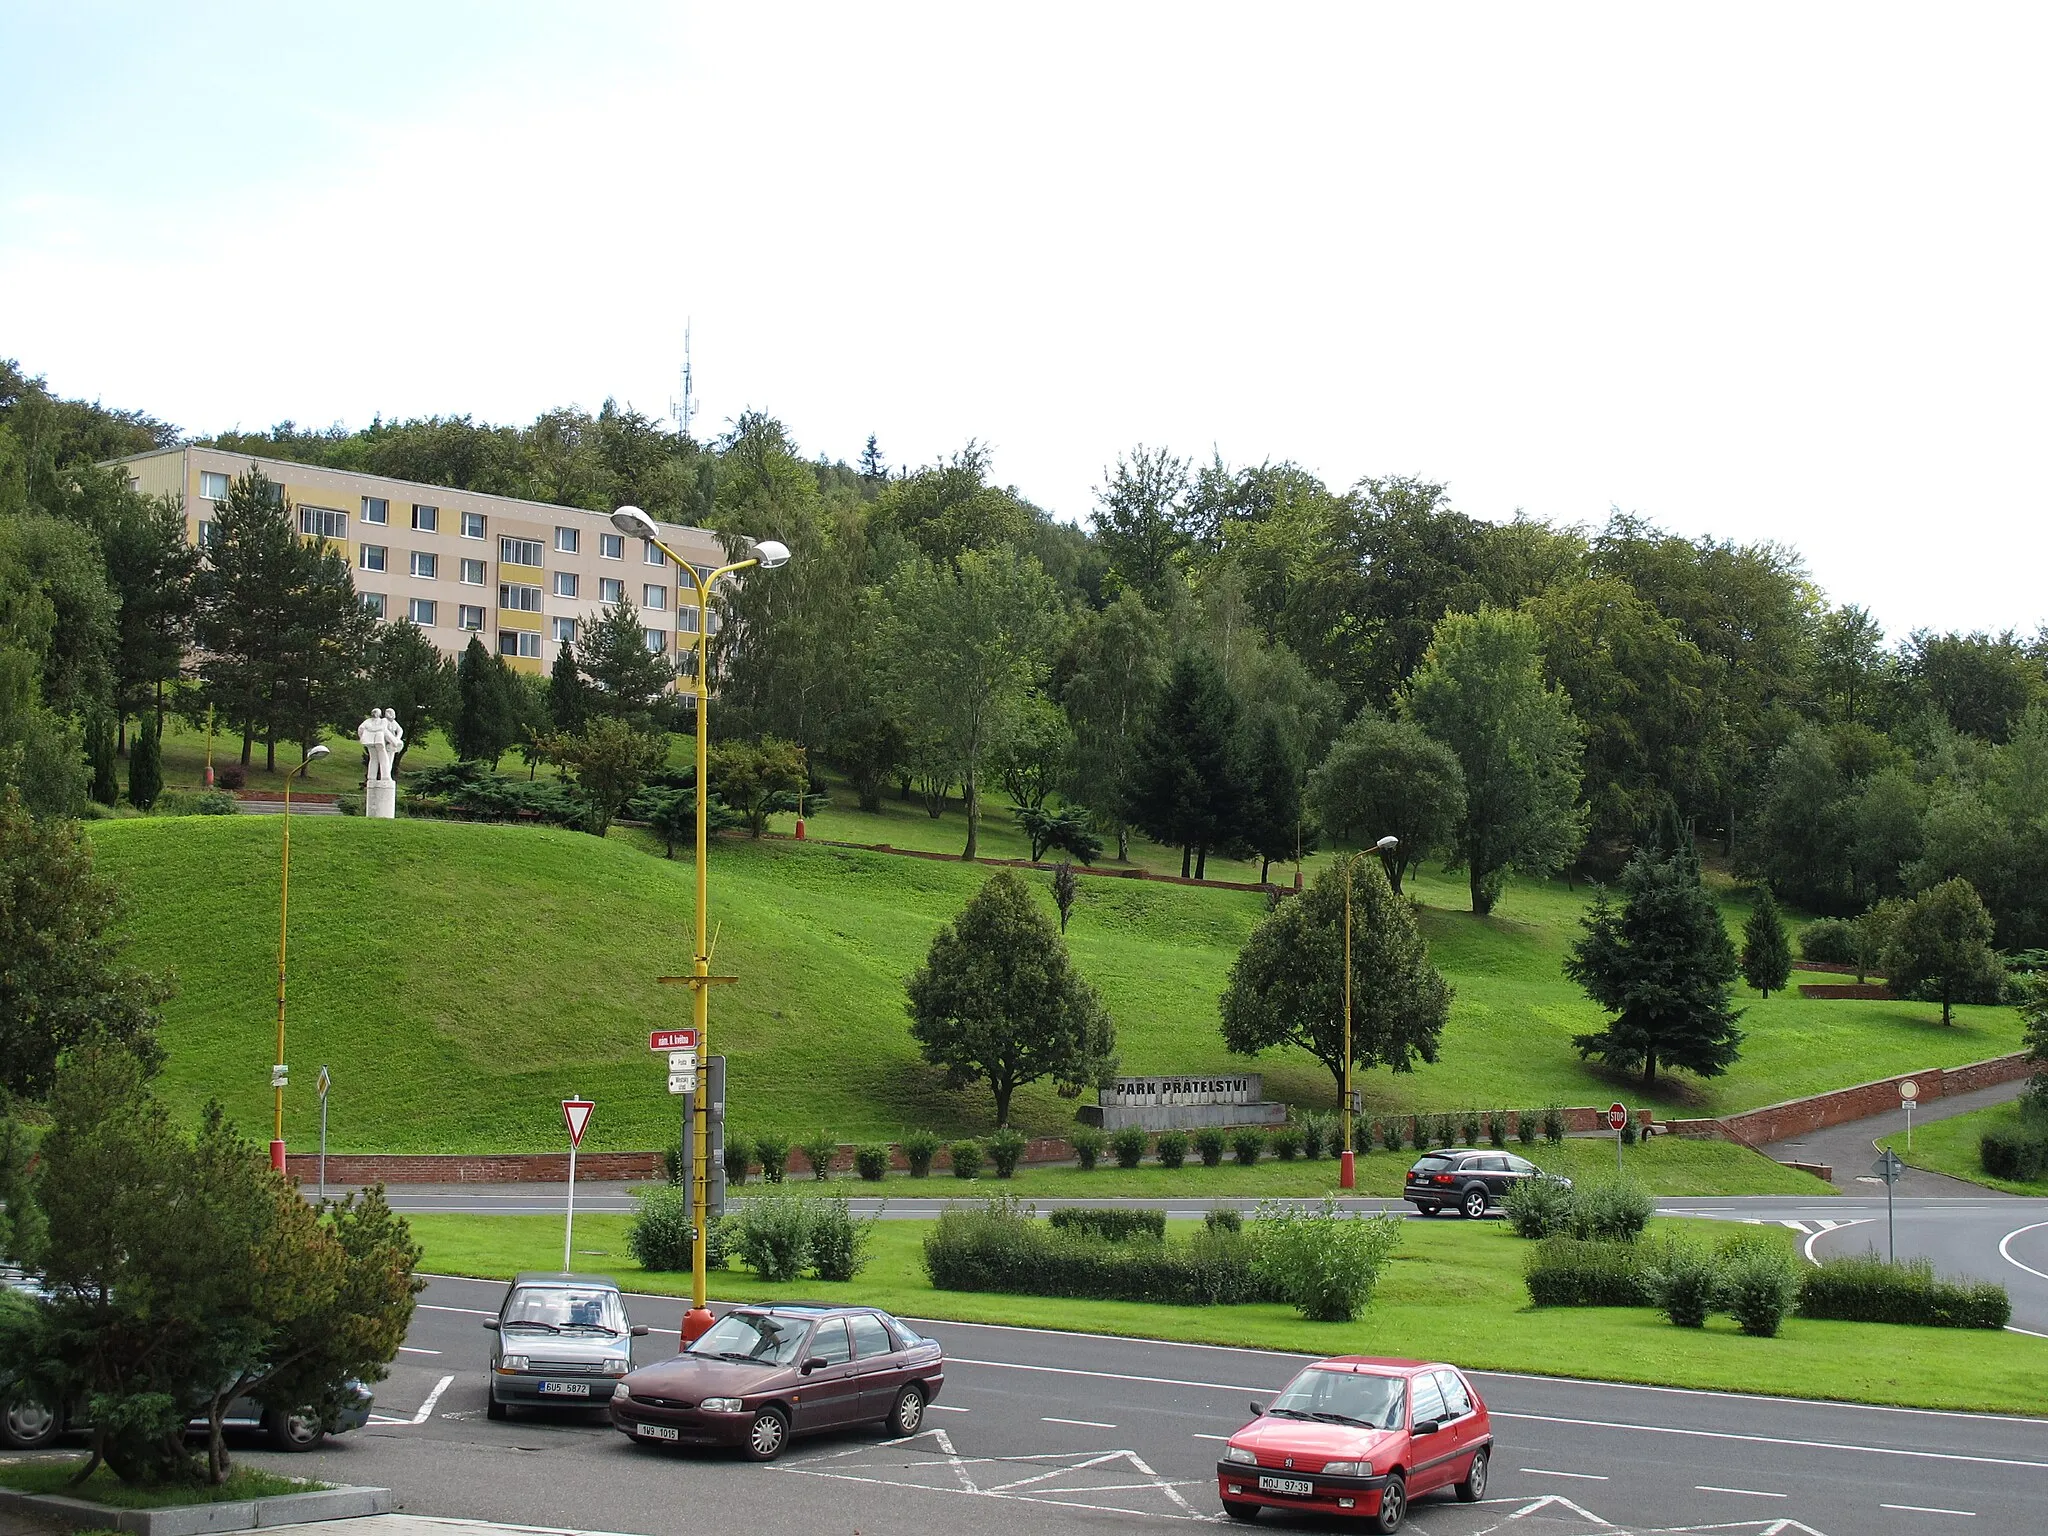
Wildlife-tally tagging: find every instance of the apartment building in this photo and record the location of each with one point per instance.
(524, 576)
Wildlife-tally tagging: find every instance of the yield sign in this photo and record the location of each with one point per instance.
(576, 1112)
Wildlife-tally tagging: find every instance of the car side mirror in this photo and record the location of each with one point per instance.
(639, 1331)
(1257, 1411)
(1426, 1427)
(811, 1365)
(491, 1323)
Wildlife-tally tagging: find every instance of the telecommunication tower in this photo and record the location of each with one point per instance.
(685, 408)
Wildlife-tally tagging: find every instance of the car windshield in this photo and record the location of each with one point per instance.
(565, 1309)
(1342, 1397)
(757, 1336)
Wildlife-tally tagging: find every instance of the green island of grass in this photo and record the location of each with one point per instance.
(54, 1476)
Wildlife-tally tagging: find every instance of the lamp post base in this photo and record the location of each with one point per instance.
(1347, 1171)
(277, 1156)
(696, 1323)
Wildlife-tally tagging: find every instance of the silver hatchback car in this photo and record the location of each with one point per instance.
(561, 1341)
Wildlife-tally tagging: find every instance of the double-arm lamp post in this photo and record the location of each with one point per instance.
(1347, 1173)
(768, 555)
(284, 908)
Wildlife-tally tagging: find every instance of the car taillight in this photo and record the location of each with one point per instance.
(1443, 1178)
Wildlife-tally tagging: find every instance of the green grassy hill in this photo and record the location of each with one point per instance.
(460, 980)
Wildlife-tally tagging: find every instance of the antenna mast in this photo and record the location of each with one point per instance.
(685, 408)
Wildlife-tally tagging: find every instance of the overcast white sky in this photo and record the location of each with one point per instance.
(1764, 271)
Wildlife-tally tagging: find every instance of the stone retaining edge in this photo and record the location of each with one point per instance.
(1757, 1128)
(196, 1519)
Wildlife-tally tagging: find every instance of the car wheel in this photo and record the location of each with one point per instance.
(27, 1424)
(1393, 1505)
(493, 1409)
(908, 1412)
(1475, 1203)
(1473, 1489)
(767, 1435)
(292, 1431)
(1238, 1510)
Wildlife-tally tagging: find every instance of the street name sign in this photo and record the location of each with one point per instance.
(682, 1061)
(672, 1040)
(682, 1082)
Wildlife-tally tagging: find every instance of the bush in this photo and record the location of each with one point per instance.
(1497, 1127)
(919, 1148)
(1088, 1147)
(1418, 1132)
(771, 1151)
(838, 1239)
(1323, 1262)
(1758, 1286)
(230, 776)
(772, 1235)
(1868, 1290)
(1614, 1211)
(1223, 1218)
(966, 1159)
(1390, 1135)
(871, 1161)
(1553, 1126)
(1571, 1272)
(1628, 1133)
(1831, 940)
(1444, 1133)
(1315, 1130)
(819, 1151)
(1285, 1142)
(1000, 1248)
(1539, 1207)
(1686, 1281)
(1469, 1130)
(1245, 1145)
(1210, 1143)
(739, 1155)
(2019, 1153)
(1006, 1150)
(1112, 1225)
(1171, 1149)
(1527, 1124)
(661, 1233)
(1129, 1146)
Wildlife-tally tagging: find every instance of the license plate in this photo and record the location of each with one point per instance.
(565, 1389)
(1299, 1487)
(657, 1432)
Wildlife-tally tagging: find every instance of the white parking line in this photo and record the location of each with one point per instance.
(1224, 1438)
(1587, 1477)
(428, 1306)
(1796, 1444)
(1078, 1423)
(944, 1408)
(1748, 1493)
(1929, 1509)
(433, 1397)
(407, 1349)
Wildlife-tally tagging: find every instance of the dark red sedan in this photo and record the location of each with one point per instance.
(1359, 1436)
(761, 1375)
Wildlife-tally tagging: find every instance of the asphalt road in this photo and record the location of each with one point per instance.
(1049, 1434)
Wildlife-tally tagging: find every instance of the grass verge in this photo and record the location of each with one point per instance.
(104, 1488)
(1454, 1292)
(1950, 1146)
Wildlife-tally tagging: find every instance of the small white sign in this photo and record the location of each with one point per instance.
(280, 1076)
(682, 1061)
(1909, 1090)
(682, 1082)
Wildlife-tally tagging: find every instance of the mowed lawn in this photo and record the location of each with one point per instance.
(461, 979)
(1454, 1292)
(1950, 1147)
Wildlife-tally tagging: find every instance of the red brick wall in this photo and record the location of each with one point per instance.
(479, 1168)
(1799, 1117)
(1876, 992)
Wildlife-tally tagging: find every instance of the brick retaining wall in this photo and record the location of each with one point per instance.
(1876, 992)
(1801, 1117)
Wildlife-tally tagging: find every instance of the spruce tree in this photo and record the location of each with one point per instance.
(1184, 785)
(145, 766)
(1766, 953)
(1663, 966)
(1271, 773)
(99, 748)
(568, 694)
(485, 722)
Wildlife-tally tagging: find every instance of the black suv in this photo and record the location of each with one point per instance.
(1472, 1182)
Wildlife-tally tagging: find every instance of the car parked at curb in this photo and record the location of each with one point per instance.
(761, 1376)
(558, 1341)
(1359, 1437)
(1467, 1180)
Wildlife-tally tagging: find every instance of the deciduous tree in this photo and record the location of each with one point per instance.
(755, 777)
(1390, 778)
(608, 760)
(1114, 670)
(1940, 947)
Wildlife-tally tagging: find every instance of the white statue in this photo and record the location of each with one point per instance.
(381, 738)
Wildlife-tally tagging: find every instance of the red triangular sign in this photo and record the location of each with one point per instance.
(577, 1113)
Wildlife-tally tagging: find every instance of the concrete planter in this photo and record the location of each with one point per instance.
(194, 1519)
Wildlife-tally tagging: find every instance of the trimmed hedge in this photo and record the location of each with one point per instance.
(1001, 1249)
(1868, 1290)
(1575, 1272)
(2019, 1153)
(1112, 1224)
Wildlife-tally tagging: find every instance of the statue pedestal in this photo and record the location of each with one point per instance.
(380, 799)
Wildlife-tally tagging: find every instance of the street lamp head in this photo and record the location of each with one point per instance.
(771, 554)
(1387, 844)
(313, 752)
(632, 520)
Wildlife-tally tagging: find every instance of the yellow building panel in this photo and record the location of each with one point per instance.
(523, 664)
(518, 618)
(532, 575)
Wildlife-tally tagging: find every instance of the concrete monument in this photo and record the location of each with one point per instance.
(382, 739)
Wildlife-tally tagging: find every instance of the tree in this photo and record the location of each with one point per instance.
(2033, 1005)
(1142, 519)
(1480, 691)
(150, 568)
(608, 760)
(753, 778)
(1286, 986)
(1766, 954)
(868, 744)
(408, 675)
(1662, 965)
(998, 1001)
(962, 647)
(625, 677)
(1389, 778)
(1033, 762)
(1270, 772)
(1184, 785)
(55, 604)
(873, 467)
(485, 719)
(568, 694)
(1940, 947)
(1066, 829)
(1114, 668)
(99, 751)
(1066, 890)
(145, 766)
(63, 984)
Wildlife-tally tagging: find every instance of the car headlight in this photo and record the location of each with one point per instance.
(1239, 1453)
(1348, 1468)
(511, 1362)
(720, 1405)
(622, 1396)
(617, 1367)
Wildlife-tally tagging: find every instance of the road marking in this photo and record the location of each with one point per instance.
(1224, 1438)
(1749, 1493)
(407, 1349)
(1807, 1445)
(1929, 1509)
(1589, 1477)
(428, 1306)
(2009, 1328)
(1558, 1501)
(1046, 1418)
(945, 1408)
(433, 1397)
(2004, 1251)
(1831, 1226)
(1796, 1226)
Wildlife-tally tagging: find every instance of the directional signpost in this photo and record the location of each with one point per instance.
(1909, 1094)
(576, 1115)
(1888, 1168)
(1617, 1120)
(323, 1082)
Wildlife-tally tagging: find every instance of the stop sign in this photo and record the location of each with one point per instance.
(1617, 1116)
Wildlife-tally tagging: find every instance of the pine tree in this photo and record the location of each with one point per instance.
(145, 766)
(485, 723)
(1271, 773)
(1766, 953)
(1185, 790)
(568, 694)
(99, 748)
(1663, 966)
(625, 677)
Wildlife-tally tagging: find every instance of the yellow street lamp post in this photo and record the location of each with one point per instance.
(1347, 1173)
(768, 555)
(284, 907)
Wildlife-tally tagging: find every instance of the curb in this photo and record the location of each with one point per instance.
(195, 1519)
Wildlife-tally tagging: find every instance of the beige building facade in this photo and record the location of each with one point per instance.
(523, 576)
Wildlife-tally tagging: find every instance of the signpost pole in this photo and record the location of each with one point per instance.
(1888, 1167)
(325, 1083)
(1347, 1172)
(569, 1226)
(576, 1114)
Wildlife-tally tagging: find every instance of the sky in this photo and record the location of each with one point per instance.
(1758, 271)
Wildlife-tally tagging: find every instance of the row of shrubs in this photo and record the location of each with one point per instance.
(1615, 1211)
(2018, 1152)
(1756, 1279)
(780, 1237)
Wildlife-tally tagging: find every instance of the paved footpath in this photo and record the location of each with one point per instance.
(1850, 1148)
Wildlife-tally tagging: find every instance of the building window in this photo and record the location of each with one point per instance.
(426, 519)
(514, 595)
(610, 591)
(519, 552)
(686, 620)
(651, 553)
(376, 510)
(212, 486)
(566, 540)
(373, 557)
(323, 522)
(472, 525)
(421, 611)
(373, 604)
(565, 584)
(657, 642)
(703, 572)
(469, 616)
(425, 566)
(611, 546)
(473, 573)
(518, 642)
(565, 631)
(135, 483)
(655, 598)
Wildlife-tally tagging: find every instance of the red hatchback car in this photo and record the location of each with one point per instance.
(1359, 1436)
